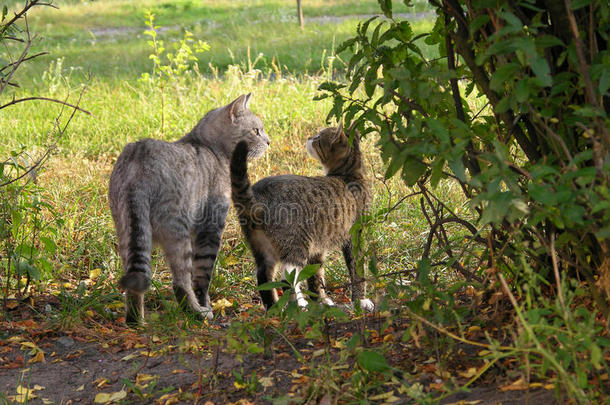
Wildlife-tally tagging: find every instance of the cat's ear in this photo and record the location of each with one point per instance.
(239, 105)
(337, 133)
(247, 101)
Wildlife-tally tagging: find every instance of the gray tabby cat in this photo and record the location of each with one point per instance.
(177, 195)
(291, 221)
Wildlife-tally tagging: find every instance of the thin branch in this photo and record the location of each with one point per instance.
(25, 59)
(26, 7)
(15, 101)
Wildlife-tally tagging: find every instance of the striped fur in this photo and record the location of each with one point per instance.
(291, 221)
(177, 195)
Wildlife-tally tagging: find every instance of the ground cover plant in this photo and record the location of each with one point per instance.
(479, 274)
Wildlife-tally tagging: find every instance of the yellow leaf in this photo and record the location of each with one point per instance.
(89, 313)
(24, 398)
(38, 357)
(518, 385)
(471, 372)
(474, 328)
(239, 385)
(388, 397)
(142, 378)
(231, 261)
(221, 304)
(266, 382)
(47, 401)
(30, 345)
(130, 356)
(66, 285)
(82, 387)
(106, 398)
(94, 273)
(100, 382)
(178, 371)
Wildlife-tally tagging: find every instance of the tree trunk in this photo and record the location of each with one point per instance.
(300, 14)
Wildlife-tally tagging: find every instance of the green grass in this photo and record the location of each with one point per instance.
(105, 37)
(125, 109)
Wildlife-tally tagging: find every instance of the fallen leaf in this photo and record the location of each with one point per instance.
(130, 356)
(266, 382)
(471, 372)
(178, 371)
(47, 401)
(82, 387)
(106, 398)
(386, 397)
(37, 358)
(94, 273)
(221, 305)
(518, 385)
(12, 304)
(101, 382)
(239, 385)
(142, 378)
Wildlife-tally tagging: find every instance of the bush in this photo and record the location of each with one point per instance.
(515, 111)
(28, 224)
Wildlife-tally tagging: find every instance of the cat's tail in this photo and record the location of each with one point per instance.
(241, 189)
(135, 243)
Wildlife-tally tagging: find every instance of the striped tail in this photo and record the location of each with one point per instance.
(136, 245)
(241, 189)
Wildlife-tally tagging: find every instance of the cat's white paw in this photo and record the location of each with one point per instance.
(328, 301)
(367, 305)
(206, 313)
(302, 302)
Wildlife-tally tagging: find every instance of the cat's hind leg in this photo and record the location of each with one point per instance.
(358, 282)
(179, 254)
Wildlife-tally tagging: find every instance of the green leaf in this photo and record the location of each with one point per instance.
(307, 272)
(386, 7)
(412, 170)
(542, 71)
(522, 91)
(398, 160)
(372, 361)
(603, 233)
(502, 75)
(576, 4)
(270, 285)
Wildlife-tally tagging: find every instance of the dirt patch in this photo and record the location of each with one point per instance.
(200, 366)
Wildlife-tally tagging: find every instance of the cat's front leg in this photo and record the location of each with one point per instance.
(298, 293)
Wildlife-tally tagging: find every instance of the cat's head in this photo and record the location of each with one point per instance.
(222, 128)
(247, 126)
(332, 148)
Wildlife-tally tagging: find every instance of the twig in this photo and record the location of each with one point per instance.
(556, 271)
(20, 100)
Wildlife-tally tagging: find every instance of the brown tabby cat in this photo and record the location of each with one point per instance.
(177, 195)
(291, 221)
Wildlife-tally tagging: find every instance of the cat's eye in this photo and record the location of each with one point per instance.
(257, 131)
